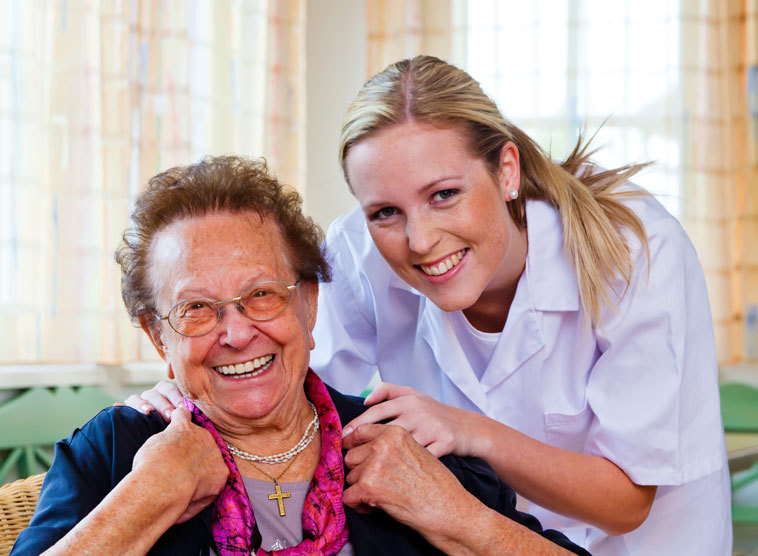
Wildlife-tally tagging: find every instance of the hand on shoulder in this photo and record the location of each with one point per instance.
(441, 428)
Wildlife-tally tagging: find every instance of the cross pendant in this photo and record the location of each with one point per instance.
(279, 497)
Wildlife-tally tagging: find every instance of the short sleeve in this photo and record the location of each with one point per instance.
(345, 332)
(653, 390)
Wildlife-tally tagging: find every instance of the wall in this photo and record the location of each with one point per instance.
(335, 70)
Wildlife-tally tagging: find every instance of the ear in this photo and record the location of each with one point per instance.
(153, 329)
(509, 175)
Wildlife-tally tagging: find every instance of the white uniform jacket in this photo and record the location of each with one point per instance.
(641, 390)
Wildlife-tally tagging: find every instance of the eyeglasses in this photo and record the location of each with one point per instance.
(260, 302)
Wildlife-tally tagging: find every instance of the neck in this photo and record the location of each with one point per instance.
(275, 437)
(271, 434)
(491, 310)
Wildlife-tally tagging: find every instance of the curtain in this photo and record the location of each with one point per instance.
(97, 97)
(720, 162)
(399, 29)
(664, 81)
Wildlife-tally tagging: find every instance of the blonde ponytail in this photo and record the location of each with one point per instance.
(427, 90)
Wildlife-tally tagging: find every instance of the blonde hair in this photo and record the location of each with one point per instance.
(428, 90)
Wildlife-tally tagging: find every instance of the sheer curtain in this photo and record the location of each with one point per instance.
(668, 82)
(720, 161)
(400, 29)
(95, 98)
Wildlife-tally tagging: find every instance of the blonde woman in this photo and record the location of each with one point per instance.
(549, 318)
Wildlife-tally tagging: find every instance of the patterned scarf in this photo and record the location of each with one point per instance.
(324, 530)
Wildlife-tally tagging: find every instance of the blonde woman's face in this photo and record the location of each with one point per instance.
(437, 215)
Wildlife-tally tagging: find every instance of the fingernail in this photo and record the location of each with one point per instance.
(144, 408)
(167, 413)
(347, 431)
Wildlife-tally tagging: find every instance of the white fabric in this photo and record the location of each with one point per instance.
(642, 391)
(478, 346)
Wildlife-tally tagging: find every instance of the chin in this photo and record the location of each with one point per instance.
(450, 304)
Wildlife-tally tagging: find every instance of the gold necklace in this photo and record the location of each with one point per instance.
(278, 495)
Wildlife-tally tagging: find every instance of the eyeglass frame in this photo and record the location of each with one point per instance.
(219, 306)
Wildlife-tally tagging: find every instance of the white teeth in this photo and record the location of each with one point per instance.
(444, 266)
(256, 366)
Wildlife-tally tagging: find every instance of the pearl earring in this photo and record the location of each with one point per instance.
(513, 194)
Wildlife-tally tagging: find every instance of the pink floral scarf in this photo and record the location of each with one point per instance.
(324, 530)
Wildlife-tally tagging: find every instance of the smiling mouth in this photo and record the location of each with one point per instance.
(443, 266)
(248, 369)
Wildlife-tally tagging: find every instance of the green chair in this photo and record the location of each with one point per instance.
(35, 420)
(739, 411)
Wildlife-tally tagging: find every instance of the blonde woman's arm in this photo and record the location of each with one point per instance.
(586, 487)
(391, 471)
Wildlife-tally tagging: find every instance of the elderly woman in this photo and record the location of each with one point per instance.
(221, 270)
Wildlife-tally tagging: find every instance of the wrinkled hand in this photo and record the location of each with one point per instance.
(185, 461)
(163, 397)
(441, 428)
(391, 471)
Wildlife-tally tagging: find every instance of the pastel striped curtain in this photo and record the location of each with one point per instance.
(720, 162)
(97, 96)
(668, 81)
(399, 29)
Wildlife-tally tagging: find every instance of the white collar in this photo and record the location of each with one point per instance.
(551, 274)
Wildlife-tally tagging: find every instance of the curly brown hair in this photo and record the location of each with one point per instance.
(215, 184)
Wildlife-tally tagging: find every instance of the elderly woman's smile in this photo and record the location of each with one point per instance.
(218, 257)
(248, 369)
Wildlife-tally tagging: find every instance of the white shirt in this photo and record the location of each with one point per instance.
(640, 391)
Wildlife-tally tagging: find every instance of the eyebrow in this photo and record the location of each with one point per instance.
(186, 292)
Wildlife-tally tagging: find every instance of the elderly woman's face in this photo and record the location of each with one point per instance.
(218, 256)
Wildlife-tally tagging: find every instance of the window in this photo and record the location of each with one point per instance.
(555, 67)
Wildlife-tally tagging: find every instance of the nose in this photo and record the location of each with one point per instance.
(421, 233)
(236, 329)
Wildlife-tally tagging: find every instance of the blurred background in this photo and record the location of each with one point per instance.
(97, 96)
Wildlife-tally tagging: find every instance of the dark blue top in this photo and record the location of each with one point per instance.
(91, 462)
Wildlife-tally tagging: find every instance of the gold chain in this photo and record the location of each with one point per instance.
(275, 479)
(278, 495)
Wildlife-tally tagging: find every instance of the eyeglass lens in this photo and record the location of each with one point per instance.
(195, 317)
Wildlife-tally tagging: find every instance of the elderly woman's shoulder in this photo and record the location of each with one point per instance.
(115, 430)
(348, 407)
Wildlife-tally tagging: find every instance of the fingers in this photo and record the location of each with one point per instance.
(438, 449)
(180, 416)
(136, 402)
(362, 435)
(387, 391)
(170, 391)
(381, 412)
(164, 397)
(353, 498)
